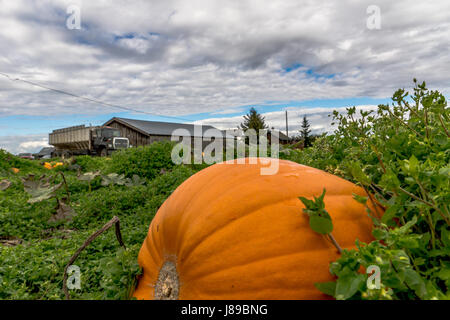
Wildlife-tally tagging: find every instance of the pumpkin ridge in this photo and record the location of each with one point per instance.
(225, 225)
(231, 221)
(313, 292)
(149, 249)
(304, 251)
(203, 187)
(155, 243)
(326, 245)
(228, 191)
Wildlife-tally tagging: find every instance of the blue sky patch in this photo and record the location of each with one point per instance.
(23, 125)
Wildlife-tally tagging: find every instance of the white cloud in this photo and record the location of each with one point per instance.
(33, 145)
(228, 111)
(318, 117)
(181, 57)
(24, 143)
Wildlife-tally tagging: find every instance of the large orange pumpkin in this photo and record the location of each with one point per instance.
(229, 232)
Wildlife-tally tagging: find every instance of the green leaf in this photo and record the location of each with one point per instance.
(4, 184)
(379, 234)
(63, 212)
(413, 165)
(319, 200)
(389, 180)
(419, 261)
(308, 203)
(445, 237)
(321, 225)
(359, 198)
(445, 172)
(114, 178)
(42, 194)
(408, 242)
(444, 274)
(358, 173)
(415, 282)
(329, 288)
(319, 218)
(404, 229)
(389, 214)
(348, 285)
(442, 139)
(89, 176)
(135, 181)
(39, 188)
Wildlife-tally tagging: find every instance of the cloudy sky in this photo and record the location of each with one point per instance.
(210, 61)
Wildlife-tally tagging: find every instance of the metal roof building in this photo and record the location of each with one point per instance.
(45, 152)
(142, 132)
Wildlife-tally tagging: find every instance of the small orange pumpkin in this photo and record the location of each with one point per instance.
(48, 165)
(229, 232)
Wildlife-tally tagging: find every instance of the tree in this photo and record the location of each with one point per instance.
(305, 131)
(253, 120)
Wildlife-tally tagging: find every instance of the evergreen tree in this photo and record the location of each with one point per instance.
(305, 131)
(253, 120)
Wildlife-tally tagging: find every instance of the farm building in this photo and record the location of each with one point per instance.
(142, 132)
(45, 153)
(282, 138)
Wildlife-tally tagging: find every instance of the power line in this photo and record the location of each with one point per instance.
(90, 99)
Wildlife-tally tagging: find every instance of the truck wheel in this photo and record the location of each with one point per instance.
(103, 152)
(66, 155)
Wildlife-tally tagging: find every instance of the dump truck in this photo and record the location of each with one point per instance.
(83, 140)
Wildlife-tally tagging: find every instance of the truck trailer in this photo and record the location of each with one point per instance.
(82, 140)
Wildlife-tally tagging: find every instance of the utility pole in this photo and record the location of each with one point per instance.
(287, 131)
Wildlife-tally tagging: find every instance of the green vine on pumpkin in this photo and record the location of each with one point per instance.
(319, 218)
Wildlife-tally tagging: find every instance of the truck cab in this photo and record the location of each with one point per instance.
(108, 139)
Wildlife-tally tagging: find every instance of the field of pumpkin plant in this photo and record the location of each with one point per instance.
(397, 155)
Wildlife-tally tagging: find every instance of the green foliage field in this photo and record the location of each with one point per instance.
(400, 153)
(34, 268)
